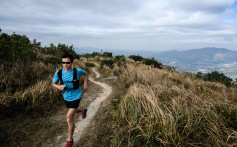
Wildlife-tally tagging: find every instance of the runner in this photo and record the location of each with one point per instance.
(69, 85)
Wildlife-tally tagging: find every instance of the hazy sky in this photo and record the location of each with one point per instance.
(124, 24)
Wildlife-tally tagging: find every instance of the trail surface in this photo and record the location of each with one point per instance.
(80, 127)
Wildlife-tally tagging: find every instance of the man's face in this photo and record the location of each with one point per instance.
(67, 64)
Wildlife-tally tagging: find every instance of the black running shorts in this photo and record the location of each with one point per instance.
(72, 104)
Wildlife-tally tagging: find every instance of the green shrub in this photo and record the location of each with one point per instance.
(108, 63)
(215, 76)
(52, 60)
(119, 58)
(136, 57)
(88, 64)
(152, 62)
(107, 54)
(14, 47)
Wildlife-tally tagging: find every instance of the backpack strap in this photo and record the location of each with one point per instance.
(60, 76)
(74, 74)
(75, 81)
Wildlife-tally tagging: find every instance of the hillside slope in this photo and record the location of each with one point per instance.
(156, 107)
(167, 108)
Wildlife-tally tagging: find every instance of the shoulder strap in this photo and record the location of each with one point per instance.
(75, 81)
(74, 74)
(60, 76)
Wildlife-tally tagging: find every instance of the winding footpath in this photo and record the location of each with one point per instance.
(81, 126)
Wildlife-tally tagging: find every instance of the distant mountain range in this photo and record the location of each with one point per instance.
(209, 54)
(125, 52)
(193, 60)
(203, 55)
(202, 60)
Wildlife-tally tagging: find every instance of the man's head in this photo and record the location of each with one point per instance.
(67, 55)
(67, 60)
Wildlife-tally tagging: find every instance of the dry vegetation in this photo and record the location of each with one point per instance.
(27, 100)
(152, 107)
(25, 87)
(165, 108)
(28, 104)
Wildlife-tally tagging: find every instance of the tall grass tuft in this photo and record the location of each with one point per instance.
(25, 86)
(19, 75)
(163, 108)
(36, 98)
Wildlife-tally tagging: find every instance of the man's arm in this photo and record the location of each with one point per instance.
(85, 77)
(59, 87)
(55, 82)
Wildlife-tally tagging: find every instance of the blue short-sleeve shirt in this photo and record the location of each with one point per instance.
(67, 76)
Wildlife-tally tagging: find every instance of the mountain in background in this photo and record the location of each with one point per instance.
(203, 60)
(194, 60)
(125, 52)
(203, 55)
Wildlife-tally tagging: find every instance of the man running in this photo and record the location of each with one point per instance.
(69, 85)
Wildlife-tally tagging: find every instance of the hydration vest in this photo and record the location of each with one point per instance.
(75, 82)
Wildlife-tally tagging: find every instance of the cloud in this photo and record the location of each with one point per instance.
(210, 6)
(134, 22)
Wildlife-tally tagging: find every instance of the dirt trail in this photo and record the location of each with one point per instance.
(80, 127)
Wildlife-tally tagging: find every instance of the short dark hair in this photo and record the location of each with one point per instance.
(67, 55)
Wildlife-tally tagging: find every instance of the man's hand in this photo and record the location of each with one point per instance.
(85, 78)
(61, 87)
(85, 86)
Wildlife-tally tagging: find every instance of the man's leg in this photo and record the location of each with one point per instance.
(70, 122)
(82, 112)
(79, 110)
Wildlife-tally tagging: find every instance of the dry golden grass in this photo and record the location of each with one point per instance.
(28, 86)
(159, 107)
(19, 75)
(26, 112)
(23, 85)
(37, 97)
(163, 108)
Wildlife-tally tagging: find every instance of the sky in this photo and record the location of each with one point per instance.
(157, 25)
